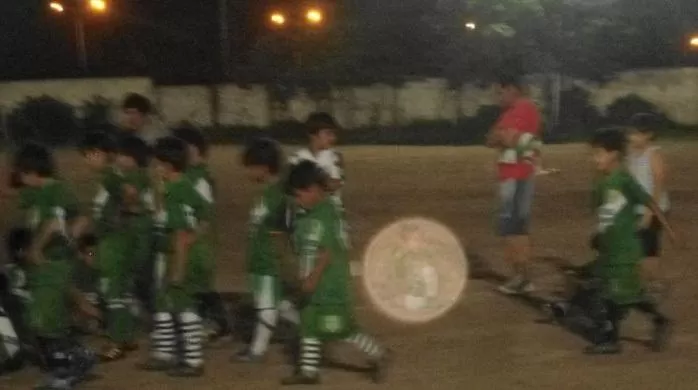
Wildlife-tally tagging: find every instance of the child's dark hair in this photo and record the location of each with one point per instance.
(510, 79)
(17, 243)
(97, 141)
(137, 102)
(304, 175)
(320, 121)
(136, 148)
(609, 139)
(34, 158)
(86, 241)
(645, 123)
(192, 136)
(173, 151)
(263, 152)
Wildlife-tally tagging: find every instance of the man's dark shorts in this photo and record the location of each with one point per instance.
(515, 197)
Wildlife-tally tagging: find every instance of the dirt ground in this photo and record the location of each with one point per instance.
(488, 341)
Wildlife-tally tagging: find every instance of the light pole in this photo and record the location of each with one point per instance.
(79, 10)
(296, 25)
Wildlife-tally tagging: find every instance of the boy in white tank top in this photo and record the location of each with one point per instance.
(322, 136)
(646, 164)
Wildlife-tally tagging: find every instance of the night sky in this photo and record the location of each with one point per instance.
(175, 41)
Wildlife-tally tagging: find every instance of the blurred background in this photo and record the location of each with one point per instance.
(409, 71)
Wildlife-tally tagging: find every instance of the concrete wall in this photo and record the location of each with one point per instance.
(674, 91)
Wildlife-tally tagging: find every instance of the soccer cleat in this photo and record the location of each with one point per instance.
(661, 334)
(515, 286)
(246, 356)
(213, 336)
(53, 383)
(300, 378)
(157, 365)
(186, 371)
(378, 368)
(603, 349)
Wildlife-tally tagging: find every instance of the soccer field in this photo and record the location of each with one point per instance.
(488, 342)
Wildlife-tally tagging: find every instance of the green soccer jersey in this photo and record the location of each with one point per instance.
(184, 207)
(262, 258)
(17, 281)
(617, 197)
(53, 201)
(107, 202)
(322, 229)
(140, 179)
(200, 176)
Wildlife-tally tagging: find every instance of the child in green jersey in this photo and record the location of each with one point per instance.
(262, 159)
(188, 269)
(616, 198)
(50, 208)
(86, 279)
(211, 305)
(114, 262)
(132, 158)
(320, 244)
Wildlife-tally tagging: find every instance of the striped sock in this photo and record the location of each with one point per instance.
(191, 330)
(366, 344)
(310, 356)
(163, 338)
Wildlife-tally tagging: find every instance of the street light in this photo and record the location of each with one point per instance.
(56, 7)
(314, 16)
(470, 25)
(78, 9)
(693, 42)
(99, 6)
(277, 18)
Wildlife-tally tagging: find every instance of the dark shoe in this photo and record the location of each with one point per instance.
(157, 365)
(660, 336)
(378, 368)
(186, 371)
(301, 379)
(603, 349)
(215, 337)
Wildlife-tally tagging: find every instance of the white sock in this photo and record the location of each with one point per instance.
(266, 323)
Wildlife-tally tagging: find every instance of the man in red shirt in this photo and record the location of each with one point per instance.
(515, 137)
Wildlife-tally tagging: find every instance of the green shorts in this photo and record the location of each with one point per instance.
(622, 284)
(198, 279)
(327, 323)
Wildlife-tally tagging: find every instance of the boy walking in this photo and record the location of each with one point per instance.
(188, 267)
(320, 244)
(138, 206)
(113, 254)
(646, 164)
(211, 305)
(50, 206)
(322, 136)
(616, 199)
(262, 160)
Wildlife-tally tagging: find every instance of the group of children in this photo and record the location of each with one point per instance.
(631, 200)
(148, 239)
